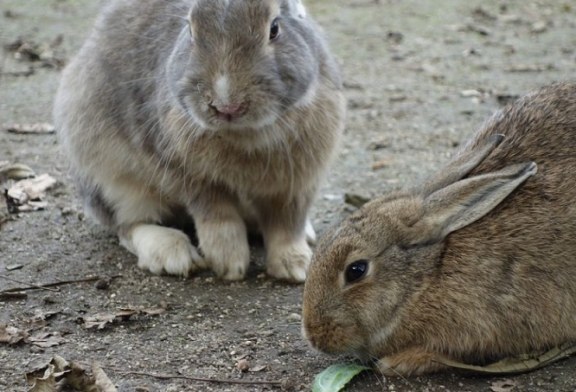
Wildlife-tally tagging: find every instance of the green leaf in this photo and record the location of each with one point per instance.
(335, 377)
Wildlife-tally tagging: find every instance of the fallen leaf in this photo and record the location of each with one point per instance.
(520, 364)
(49, 377)
(257, 368)
(11, 335)
(14, 171)
(30, 129)
(47, 339)
(503, 385)
(32, 188)
(26, 195)
(101, 320)
(103, 383)
(44, 381)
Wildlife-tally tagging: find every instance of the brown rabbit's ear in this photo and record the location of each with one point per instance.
(463, 164)
(464, 202)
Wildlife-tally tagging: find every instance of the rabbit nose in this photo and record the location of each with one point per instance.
(229, 111)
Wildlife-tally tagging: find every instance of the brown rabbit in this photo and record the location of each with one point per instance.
(476, 264)
(227, 110)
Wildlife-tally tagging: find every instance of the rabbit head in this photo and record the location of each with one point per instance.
(367, 269)
(242, 64)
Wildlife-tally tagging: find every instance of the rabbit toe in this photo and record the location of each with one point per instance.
(289, 262)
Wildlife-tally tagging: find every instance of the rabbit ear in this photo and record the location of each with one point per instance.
(466, 201)
(462, 165)
(296, 8)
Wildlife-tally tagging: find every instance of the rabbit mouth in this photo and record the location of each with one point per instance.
(229, 113)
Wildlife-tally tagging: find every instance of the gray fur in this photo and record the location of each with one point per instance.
(138, 117)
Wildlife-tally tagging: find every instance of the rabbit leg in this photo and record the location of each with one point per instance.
(413, 361)
(286, 232)
(135, 213)
(222, 234)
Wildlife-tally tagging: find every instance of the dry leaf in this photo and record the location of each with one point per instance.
(47, 339)
(257, 368)
(103, 383)
(44, 382)
(49, 378)
(503, 385)
(26, 195)
(32, 188)
(14, 171)
(101, 320)
(30, 129)
(11, 335)
(520, 364)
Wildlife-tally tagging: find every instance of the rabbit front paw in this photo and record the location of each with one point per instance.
(310, 233)
(414, 361)
(161, 249)
(225, 249)
(289, 261)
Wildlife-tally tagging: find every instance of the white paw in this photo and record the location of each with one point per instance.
(225, 248)
(161, 249)
(289, 261)
(310, 233)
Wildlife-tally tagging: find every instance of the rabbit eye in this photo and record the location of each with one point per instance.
(356, 271)
(274, 29)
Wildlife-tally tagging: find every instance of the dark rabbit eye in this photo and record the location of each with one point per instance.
(274, 29)
(356, 271)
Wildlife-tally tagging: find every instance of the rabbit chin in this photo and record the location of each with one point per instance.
(241, 124)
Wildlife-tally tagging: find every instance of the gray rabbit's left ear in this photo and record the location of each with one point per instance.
(300, 9)
(296, 8)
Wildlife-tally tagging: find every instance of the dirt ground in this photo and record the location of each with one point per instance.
(420, 76)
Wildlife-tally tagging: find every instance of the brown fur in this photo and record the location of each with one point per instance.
(499, 286)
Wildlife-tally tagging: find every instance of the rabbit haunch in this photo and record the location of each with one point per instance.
(474, 265)
(203, 107)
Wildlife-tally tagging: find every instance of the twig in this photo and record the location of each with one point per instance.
(30, 287)
(45, 286)
(200, 379)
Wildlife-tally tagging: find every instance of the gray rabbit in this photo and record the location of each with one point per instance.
(475, 264)
(228, 110)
